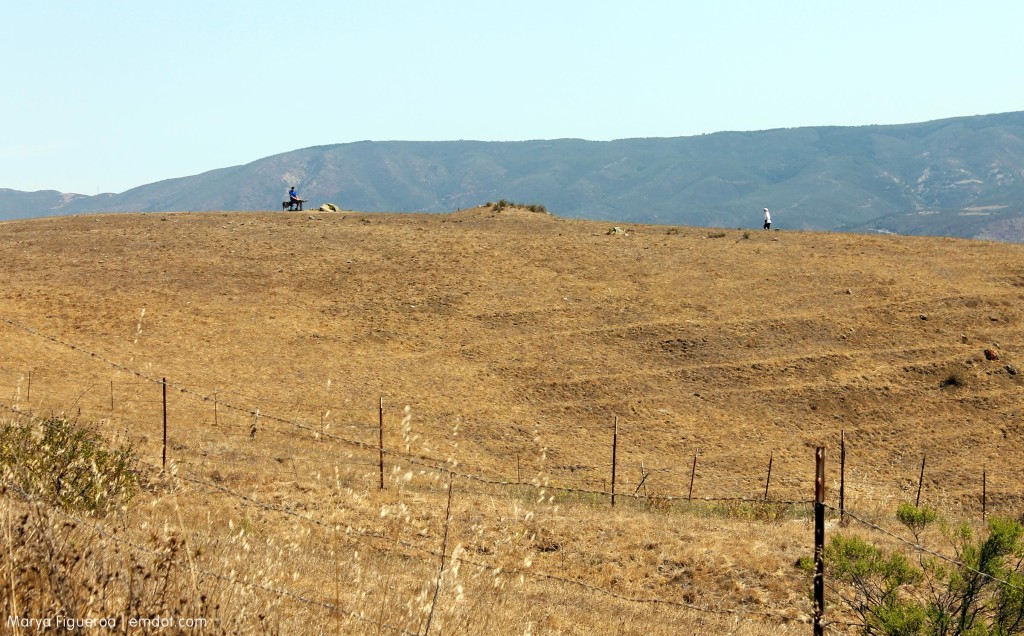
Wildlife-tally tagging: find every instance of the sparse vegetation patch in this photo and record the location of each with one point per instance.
(506, 205)
(66, 464)
(954, 377)
(980, 591)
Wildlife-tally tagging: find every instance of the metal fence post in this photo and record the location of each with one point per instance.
(693, 473)
(984, 493)
(842, 476)
(819, 542)
(380, 445)
(920, 483)
(163, 463)
(615, 444)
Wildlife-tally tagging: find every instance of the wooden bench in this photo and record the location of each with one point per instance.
(293, 205)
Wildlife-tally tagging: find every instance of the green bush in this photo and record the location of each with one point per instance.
(532, 207)
(915, 518)
(67, 465)
(978, 593)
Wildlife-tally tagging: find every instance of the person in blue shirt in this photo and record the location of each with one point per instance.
(293, 198)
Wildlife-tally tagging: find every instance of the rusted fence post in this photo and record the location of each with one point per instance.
(819, 541)
(693, 472)
(920, 482)
(380, 445)
(842, 476)
(163, 462)
(615, 444)
(768, 481)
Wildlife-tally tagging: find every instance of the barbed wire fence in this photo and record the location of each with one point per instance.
(322, 432)
(425, 463)
(367, 538)
(452, 465)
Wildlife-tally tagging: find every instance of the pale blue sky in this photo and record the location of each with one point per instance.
(105, 95)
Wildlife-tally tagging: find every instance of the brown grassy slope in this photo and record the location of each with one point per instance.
(517, 338)
(527, 331)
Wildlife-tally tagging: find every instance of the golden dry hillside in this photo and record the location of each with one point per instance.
(504, 346)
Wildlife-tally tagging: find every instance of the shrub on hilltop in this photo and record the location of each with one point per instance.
(505, 205)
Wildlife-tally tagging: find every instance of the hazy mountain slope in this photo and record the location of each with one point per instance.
(865, 178)
(15, 204)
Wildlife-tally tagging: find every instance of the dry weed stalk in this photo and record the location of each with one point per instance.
(444, 555)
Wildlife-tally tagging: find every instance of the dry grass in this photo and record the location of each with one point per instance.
(515, 338)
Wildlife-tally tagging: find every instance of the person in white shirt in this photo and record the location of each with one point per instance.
(767, 219)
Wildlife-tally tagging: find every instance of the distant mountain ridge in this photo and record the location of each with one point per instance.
(953, 177)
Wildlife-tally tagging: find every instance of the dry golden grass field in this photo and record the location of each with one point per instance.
(504, 346)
